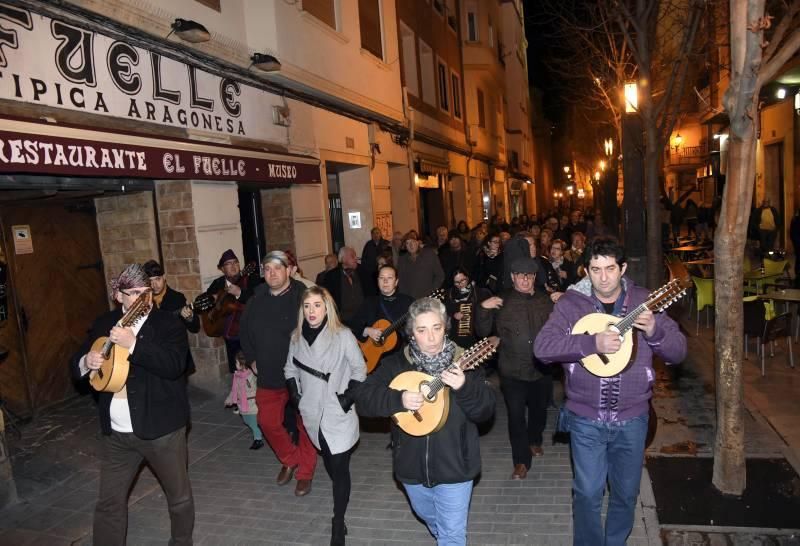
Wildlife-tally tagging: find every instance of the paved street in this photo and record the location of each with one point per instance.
(237, 501)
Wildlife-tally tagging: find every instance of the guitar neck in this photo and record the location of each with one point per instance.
(627, 323)
(394, 326)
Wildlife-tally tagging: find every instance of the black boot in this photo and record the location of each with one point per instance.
(338, 531)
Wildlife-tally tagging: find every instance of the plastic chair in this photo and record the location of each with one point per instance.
(780, 326)
(755, 317)
(704, 294)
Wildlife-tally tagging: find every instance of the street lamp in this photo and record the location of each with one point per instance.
(597, 176)
(602, 165)
(631, 97)
(608, 144)
(677, 141)
(566, 169)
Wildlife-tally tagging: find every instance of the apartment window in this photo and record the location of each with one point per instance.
(409, 59)
(444, 103)
(472, 22)
(369, 19)
(451, 14)
(324, 10)
(428, 73)
(455, 88)
(481, 110)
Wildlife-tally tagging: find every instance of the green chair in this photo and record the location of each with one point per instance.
(704, 296)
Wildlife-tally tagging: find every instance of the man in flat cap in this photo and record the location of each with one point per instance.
(146, 420)
(516, 316)
(267, 325)
(240, 287)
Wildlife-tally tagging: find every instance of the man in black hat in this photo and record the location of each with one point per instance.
(241, 288)
(517, 316)
(172, 301)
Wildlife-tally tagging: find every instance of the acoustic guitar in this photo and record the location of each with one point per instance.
(113, 374)
(433, 414)
(373, 350)
(609, 365)
(224, 305)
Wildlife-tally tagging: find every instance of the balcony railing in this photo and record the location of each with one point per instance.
(686, 155)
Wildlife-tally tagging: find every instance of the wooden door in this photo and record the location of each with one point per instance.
(58, 290)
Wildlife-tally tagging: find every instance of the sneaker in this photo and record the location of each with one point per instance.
(257, 444)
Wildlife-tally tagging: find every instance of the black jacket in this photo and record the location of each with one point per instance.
(251, 282)
(156, 382)
(173, 302)
(332, 282)
(517, 323)
(267, 325)
(450, 455)
(375, 308)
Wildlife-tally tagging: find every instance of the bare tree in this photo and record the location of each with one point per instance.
(661, 39)
(759, 49)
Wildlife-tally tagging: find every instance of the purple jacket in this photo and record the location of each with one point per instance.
(618, 398)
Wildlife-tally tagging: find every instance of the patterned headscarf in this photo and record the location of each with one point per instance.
(133, 276)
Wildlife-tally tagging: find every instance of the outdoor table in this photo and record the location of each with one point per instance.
(786, 295)
(705, 266)
(687, 249)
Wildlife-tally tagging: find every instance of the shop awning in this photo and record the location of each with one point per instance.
(62, 150)
(426, 164)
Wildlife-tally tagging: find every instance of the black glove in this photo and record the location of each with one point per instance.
(346, 399)
(294, 393)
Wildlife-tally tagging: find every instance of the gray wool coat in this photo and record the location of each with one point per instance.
(338, 354)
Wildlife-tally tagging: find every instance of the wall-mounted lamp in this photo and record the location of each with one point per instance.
(190, 31)
(265, 62)
(797, 103)
(597, 176)
(566, 169)
(677, 141)
(781, 93)
(581, 193)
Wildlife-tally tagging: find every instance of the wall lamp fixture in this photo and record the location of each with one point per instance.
(265, 62)
(190, 31)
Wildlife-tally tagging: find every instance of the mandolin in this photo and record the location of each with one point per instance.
(433, 413)
(113, 374)
(373, 350)
(609, 365)
(224, 304)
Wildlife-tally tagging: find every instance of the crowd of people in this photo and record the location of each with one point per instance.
(300, 381)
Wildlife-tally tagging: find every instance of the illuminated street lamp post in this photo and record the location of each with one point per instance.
(633, 205)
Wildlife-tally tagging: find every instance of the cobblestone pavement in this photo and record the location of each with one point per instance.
(238, 502)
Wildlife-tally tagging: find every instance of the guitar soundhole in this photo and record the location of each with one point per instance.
(425, 390)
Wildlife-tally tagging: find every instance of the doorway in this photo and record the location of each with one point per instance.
(335, 211)
(432, 210)
(254, 245)
(55, 289)
(774, 184)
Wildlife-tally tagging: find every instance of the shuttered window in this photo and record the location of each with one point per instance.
(324, 10)
(369, 19)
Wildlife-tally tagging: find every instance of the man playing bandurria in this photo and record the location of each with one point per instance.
(145, 422)
(606, 416)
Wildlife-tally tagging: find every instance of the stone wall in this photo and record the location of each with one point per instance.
(127, 229)
(276, 208)
(181, 265)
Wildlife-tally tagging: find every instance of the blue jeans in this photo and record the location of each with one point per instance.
(605, 451)
(444, 509)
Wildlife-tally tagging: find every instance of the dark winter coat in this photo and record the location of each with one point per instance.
(450, 455)
(156, 382)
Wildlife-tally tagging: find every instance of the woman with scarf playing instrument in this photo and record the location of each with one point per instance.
(437, 470)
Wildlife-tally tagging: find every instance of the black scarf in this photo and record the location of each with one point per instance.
(432, 365)
(310, 334)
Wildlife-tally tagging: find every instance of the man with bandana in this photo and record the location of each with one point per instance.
(145, 422)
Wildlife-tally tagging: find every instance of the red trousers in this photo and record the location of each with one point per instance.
(271, 407)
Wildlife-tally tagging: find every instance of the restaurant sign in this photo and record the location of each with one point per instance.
(54, 63)
(45, 154)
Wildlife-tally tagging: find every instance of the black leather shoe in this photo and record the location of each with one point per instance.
(257, 444)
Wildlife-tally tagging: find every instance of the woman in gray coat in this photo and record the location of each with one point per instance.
(323, 362)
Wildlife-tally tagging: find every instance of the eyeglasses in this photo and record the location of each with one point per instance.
(135, 293)
(460, 282)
